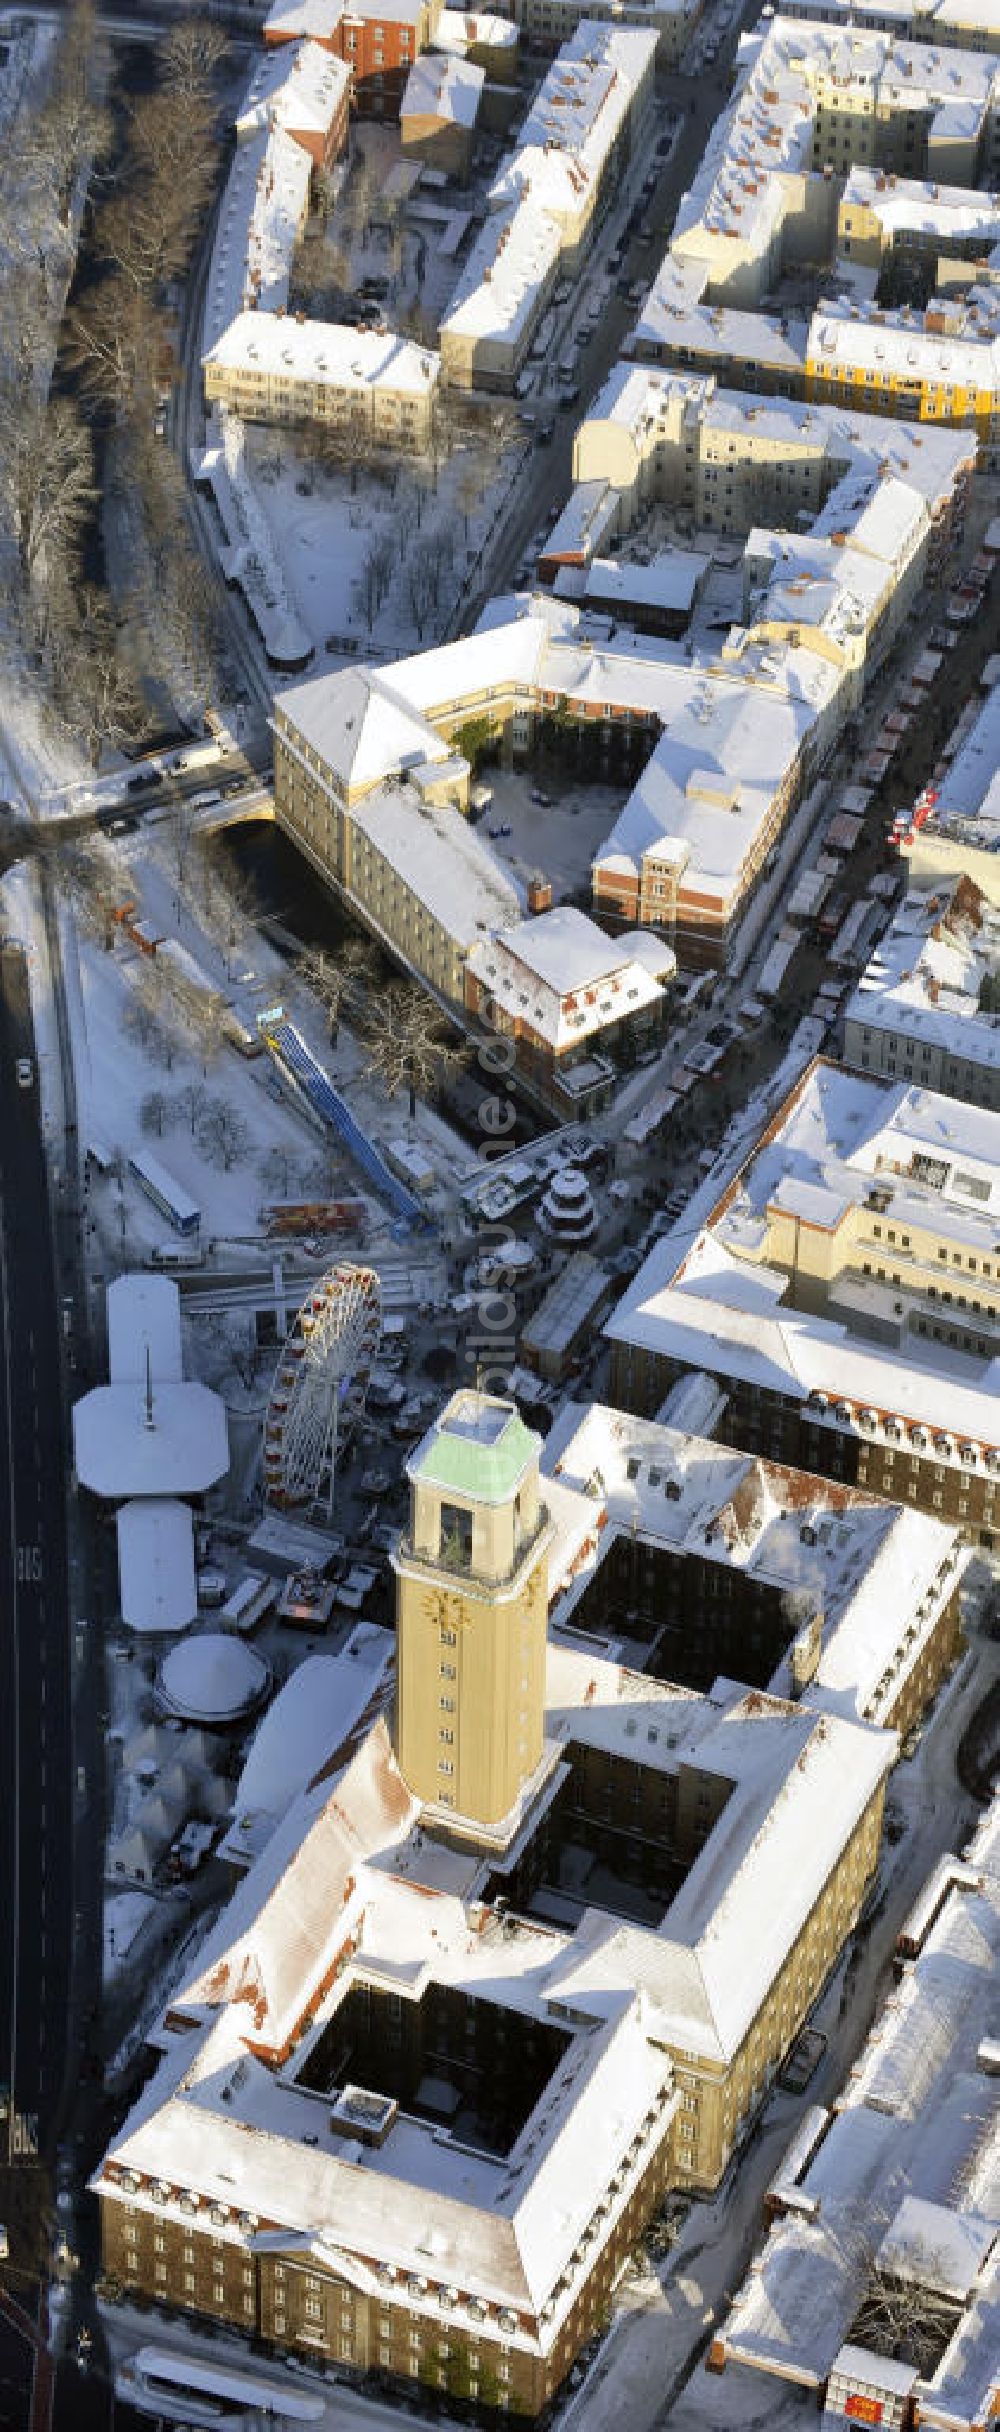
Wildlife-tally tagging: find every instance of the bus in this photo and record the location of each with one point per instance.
(166, 1194)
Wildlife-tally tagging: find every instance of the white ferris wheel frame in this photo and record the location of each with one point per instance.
(321, 1378)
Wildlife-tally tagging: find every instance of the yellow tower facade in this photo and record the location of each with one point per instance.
(471, 1615)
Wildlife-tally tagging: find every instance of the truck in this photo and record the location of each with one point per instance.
(543, 337)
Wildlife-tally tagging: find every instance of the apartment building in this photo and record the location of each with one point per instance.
(570, 999)
(844, 1292)
(438, 112)
(830, 139)
(954, 830)
(545, 24)
(730, 749)
(927, 1009)
(376, 41)
(883, 2208)
(709, 1561)
(965, 25)
(734, 462)
(880, 214)
(586, 118)
(300, 89)
(403, 2120)
(373, 387)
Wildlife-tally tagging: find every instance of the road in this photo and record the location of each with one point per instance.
(547, 476)
(36, 1657)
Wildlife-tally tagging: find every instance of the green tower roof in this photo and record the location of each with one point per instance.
(478, 1448)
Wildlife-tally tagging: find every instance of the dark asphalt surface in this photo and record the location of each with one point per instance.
(49, 1935)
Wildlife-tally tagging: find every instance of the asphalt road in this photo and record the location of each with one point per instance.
(51, 1827)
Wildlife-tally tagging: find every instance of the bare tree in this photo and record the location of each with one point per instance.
(192, 1102)
(376, 575)
(74, 123)
(339, 980)
(141, 1023)
(408, 1042)
(905, 2313)
(46, 477)
(470, 490)
(223, 1134)
(97, 687)
(156, 1112)
(191, 54)
(426, 566)
(279, 1170)
(110, 340)
(322, 1175)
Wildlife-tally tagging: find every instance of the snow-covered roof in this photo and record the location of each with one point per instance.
(250, 556)
(549, 183)
(156, 1576)
(324, 351)
(960, 348)
(708, 1297)
(874, 1575)
(967, 805)
(299, 87)
(311, 1728)
(955, 214)
(303, 20)
(212, 1677)
(510, 267)
(579, 110)
(359, 726)
(444, 862)
(144, 1322)
(263, 205)
(949, 21)
(443, 85)
(924, 981)
(670, 582)
(460, 31)
(173, 1443)
(906, 2171)
(354, 1885)
(562, 976)
(730, 736)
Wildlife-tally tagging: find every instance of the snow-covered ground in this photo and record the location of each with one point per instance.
(558, 839)
(127, 1071)
(333, 523)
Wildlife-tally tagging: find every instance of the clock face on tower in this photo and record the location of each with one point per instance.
(445, 1610)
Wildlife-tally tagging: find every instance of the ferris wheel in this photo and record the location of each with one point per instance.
(320, 1383)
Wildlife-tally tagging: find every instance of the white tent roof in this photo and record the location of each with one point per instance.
(212, 1677)
(156, 1564)
(144, 1312)
(179, 1448)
